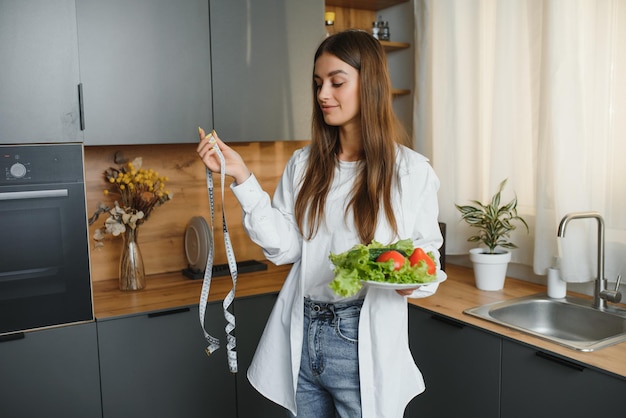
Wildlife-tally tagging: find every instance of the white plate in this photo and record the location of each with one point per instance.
(197, 240)
(441, 276)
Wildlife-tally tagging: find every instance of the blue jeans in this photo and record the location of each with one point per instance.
(328, 382)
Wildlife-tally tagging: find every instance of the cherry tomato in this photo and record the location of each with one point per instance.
(395, 256)
(418, 256)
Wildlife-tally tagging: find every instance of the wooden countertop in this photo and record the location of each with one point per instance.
(458, 293)
(165, 291)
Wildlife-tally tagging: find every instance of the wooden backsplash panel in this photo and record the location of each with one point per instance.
(161, 237)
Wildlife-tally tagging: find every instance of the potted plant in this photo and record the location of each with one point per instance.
(494, 223)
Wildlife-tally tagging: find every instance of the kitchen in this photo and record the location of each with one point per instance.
(158, 123)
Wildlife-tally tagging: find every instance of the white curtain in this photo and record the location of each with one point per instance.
(533, 91)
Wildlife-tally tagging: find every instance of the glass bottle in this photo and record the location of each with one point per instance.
(329, 22)
(386, 36)
(375, 30)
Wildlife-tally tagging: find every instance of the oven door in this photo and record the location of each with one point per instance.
(44, 268)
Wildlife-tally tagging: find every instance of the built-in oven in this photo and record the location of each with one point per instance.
(44, 251)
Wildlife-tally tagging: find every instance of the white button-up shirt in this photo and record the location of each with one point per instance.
(388, 374)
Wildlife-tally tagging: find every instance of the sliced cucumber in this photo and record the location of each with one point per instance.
(376, 252)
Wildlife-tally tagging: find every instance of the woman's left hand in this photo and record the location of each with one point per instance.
(406, 292)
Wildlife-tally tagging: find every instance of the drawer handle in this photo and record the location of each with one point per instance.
(12, 337)
(165, 313)
(560, 361)
(34, 194)
(449, 321)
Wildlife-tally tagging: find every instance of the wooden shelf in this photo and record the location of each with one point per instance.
(364, 4)
(359, 14)
(346, 18)
(400, 92)
(394, 46)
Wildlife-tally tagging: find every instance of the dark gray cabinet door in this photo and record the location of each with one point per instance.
(39, 72)
(252, 314)
(543, 385)
(51, 373)
(262, 55)
(461, 368)
(154, 365)
(146, 70)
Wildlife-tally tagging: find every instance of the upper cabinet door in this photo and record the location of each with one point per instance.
(146, 70)
(38, 72)
(262, 53)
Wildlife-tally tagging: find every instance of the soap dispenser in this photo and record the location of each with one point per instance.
(557, 288)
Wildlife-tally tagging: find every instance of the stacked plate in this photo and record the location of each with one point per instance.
(198, 237)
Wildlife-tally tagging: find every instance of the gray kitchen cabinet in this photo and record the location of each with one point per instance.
(460, 365)
(539, 384)
(51, 373)
(472, 373)
(146, 70)
(252, 314)
(154, 365)
(262, 56)
(40, 76)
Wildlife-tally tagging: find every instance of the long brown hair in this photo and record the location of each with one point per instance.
(380, 131)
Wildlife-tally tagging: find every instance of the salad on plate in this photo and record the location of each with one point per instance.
(398, 264)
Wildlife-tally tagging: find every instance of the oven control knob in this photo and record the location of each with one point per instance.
(18, 170)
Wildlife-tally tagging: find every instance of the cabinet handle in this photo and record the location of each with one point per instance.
(12, 337)
(170, 312)
(449, 321)
(81, 107)
(560, 361)
(34, 194)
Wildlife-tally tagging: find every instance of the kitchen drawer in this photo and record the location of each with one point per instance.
(252, 314)
(51, 373)
(544, 385)
(460, 365)
(154, 365)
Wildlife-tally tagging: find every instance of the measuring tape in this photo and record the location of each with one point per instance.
(214, 343)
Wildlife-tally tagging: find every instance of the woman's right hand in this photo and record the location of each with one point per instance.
(235, 166)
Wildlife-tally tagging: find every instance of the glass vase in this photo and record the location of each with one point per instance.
(132, 275)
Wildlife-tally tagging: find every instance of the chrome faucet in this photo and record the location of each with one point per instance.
(600, 295)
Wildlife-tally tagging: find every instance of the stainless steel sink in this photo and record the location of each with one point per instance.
(570, 322)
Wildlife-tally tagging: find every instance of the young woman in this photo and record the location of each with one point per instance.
(321, 355)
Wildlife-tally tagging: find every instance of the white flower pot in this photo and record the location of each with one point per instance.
(489, 269)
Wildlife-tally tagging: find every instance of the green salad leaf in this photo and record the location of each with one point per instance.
(359, 263)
